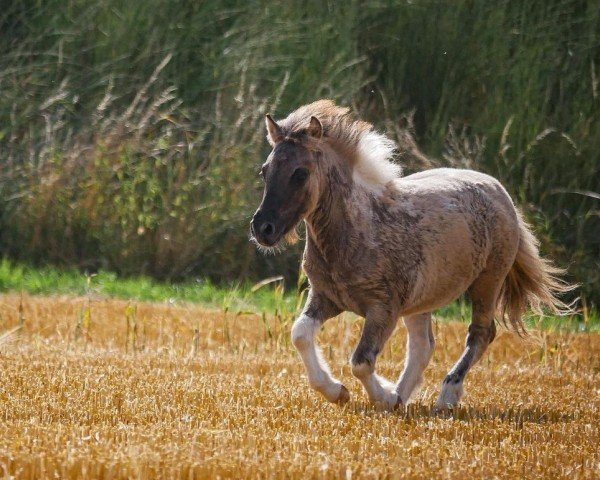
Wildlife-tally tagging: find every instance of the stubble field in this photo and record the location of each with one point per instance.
(98, 388)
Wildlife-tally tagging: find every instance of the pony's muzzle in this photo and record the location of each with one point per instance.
(264, 230)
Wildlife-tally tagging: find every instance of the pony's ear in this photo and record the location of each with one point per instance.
(274, 131)
(315, 129)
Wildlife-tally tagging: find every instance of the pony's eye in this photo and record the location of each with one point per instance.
(299, 176)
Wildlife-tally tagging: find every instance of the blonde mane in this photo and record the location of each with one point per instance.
(370, 153)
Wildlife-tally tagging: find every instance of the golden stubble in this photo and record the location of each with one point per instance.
(97, 388)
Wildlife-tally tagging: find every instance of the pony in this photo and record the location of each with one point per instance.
(386, 246)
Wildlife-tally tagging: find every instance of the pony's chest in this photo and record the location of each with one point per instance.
(348, 286)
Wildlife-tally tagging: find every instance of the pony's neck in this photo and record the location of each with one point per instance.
(329, 226)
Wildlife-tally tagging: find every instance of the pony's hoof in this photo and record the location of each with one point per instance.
(343, 397)
(394, 403)
(440, 408)
(449, 396)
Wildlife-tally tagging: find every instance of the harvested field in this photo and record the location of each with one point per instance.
(96, 388)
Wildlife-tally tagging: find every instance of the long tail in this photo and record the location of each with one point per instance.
(532, 282)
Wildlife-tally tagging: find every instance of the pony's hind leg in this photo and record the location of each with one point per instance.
(379, 325)
(482, 330)
(304, 330)
(419, 349)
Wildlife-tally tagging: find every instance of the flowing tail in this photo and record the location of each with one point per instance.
(532, 282)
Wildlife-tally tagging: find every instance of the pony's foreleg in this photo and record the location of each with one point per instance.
(378, 327)
(304, 330)
(419, 349)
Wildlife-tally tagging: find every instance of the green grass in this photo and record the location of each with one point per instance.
(269, 298)
(586, 321)
(54, 281)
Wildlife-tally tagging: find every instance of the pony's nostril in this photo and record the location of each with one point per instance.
(267, 228)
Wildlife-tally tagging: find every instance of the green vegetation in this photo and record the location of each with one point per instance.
(131, 132)
(268, 296)
(53, 281)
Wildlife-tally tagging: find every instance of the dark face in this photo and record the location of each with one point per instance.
(290, 192)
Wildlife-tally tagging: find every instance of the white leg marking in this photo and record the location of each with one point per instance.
(449, 396)
(419, 349)
(380, 390)
(319, 376)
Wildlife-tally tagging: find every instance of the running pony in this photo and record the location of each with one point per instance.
(385, 246)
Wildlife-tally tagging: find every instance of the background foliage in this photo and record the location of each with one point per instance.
(131, 132)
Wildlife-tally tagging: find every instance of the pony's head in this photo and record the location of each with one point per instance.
(291, 184)
(314, 144)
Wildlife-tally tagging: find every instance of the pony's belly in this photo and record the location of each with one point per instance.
(434, 300)
(442, 282)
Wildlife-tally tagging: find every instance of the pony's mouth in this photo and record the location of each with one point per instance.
(271, 242)
(272, 239)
